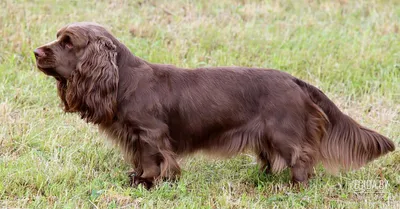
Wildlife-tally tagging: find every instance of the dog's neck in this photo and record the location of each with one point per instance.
(132, 71)
(125, 57)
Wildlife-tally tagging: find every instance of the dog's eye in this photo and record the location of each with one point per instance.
(66, 42)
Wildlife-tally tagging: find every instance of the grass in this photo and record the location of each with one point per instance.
(349, 49)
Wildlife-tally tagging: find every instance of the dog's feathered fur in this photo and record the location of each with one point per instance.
(156, 113)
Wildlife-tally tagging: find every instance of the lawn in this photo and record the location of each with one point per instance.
(349, 49)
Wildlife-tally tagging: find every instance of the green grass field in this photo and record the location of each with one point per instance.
(349, 49)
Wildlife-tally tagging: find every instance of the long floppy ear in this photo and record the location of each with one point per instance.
(92, 89)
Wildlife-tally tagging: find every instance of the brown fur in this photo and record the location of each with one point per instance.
(156, 113)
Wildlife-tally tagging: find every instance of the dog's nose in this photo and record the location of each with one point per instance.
(39, 53)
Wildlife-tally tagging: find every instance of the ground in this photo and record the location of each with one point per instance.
(349, 49)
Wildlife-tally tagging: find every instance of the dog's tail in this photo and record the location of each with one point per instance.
(347, 145)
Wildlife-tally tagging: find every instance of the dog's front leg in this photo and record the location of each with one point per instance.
(155, 159)
(148, 169)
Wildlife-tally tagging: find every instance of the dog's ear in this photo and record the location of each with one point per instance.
(92, 89)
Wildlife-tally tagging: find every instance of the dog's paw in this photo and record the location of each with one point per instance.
(298, 186)
(135, 181)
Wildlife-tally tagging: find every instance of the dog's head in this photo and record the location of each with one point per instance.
(83, 60)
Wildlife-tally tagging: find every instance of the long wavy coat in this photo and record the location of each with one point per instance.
(157, 113)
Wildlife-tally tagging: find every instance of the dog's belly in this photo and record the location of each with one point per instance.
(223, 138)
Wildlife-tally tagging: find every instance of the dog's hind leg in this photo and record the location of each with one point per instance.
(316, 122)
(288, 147)
(264, 162)
(297, 158)
(302, 170)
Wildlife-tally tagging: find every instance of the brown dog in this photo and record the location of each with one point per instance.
(156, 113)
